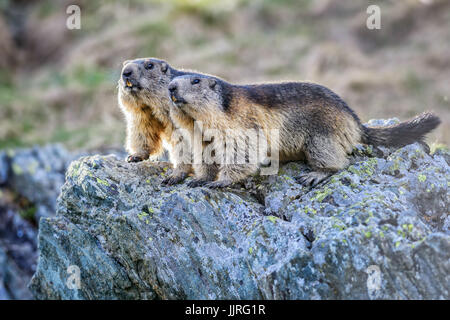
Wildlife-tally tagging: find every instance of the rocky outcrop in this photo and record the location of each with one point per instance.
(378, 230)
(30, 182)
(36, 174)
(18, 256)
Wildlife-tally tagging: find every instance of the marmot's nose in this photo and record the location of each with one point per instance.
(172, 87)
(127, 72)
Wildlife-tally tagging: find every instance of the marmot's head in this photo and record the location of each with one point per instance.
(145, 79)
(198, 95)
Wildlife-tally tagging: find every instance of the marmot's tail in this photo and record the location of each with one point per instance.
(401, 134)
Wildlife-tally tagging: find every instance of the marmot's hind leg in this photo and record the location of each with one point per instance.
(325, 156)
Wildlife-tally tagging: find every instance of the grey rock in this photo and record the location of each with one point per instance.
(12, 276)
(34, 176)
(38, 175)
(4, 168)
(4, 292)
(18, 254)
(376, 230)
(30, 181)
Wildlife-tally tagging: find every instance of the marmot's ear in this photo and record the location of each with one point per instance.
(212, 83)
(164, 67)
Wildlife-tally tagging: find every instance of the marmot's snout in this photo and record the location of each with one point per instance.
(172, 87)
(129, 79)
(174, 94)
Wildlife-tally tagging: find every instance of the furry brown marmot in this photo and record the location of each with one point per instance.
(145, 104)
(314, 123)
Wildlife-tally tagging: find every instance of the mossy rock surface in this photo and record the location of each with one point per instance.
(377, 230)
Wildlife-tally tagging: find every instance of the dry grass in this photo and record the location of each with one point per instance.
(61, 85)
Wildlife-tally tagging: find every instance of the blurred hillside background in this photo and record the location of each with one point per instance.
(59, 85)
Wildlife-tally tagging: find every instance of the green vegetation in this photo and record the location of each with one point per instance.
(62, 86)
(28, 213)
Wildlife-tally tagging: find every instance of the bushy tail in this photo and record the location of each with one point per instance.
(401, 134)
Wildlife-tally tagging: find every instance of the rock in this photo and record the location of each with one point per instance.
(30, 181)
(32, 178)
(38, 175)
(4, 294)
(11, 276)
(4, 168)
(377, 230)
(18, 253)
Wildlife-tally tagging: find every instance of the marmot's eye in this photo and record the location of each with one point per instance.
(149, 66)
(195, 81)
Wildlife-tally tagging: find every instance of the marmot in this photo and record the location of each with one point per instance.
(145, 104)
(313, 122)
(203, 172)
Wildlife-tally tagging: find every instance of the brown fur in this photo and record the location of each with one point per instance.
(144, 130)
(203, 172)
(146, 109)
(314, 123)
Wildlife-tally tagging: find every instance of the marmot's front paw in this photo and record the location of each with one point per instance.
(218, 184)
(134, 158)
(171, 180)
(196, 183)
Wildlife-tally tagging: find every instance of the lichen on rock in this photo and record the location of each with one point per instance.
(270, 238)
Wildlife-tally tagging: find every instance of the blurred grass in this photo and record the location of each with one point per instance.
(68, 94)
